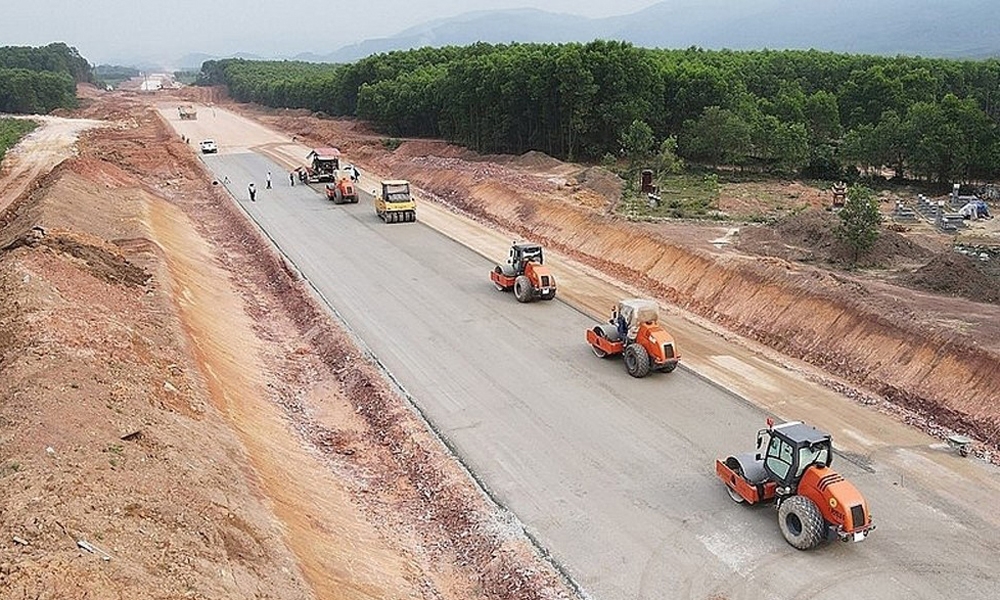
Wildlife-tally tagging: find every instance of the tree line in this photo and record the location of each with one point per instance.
(809, 112)
(114, 75)
(38, 80)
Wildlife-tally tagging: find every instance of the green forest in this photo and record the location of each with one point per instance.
(38, 80)
(11, 132)
(813, 113)
(113, 75)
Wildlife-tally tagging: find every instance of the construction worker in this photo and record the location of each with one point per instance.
(268, 180)
(982, 210)
(253, 192)
(355, 174)
(619, 322)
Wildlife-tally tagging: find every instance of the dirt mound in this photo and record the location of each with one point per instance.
(896, 249)
(203, 94)
(603, 182)
(955, 274)
(594, 188)
(99, 173)
(537, 161)
(100, 259)
(810, 236)
(449, 170)
(421, 148)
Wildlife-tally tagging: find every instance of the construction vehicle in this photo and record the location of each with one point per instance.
(342, 189)
(634, 331)
(525, 273)
(792, 467)
(323, 167)
(187, 112)
(395, 204)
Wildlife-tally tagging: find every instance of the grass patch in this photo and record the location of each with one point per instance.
(186, 77)
(116, 449)
(683, 196)
(11, 132)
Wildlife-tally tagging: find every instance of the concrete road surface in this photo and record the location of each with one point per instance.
(612, 475)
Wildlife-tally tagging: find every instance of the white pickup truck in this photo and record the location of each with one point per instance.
(209, 147)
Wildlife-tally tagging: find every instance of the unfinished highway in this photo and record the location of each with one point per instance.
(612, 476)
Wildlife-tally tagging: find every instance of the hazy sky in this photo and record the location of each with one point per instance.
(116, 30)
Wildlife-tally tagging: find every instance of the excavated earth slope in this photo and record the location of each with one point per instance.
(176, 399)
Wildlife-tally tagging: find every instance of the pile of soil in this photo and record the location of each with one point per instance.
(959, 275)
(420, 148)
(481, 173)
(537, 161)
(810, 236)
(602, 182)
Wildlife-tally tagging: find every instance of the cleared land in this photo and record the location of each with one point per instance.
(260, 441)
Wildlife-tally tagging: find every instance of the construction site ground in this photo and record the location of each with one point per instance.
(177, 396)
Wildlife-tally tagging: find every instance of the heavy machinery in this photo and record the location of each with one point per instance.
(525, 273)
(792, 467)
(395, 204)
(342, 189)
(634, 331)
(323, 167)
(187, 112)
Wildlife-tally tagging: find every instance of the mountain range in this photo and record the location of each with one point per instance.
(932, 28)
(938, 28)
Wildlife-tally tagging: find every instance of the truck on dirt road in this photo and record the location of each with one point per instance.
(323, 166)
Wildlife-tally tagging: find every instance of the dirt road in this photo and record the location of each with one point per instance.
(611, 475)
(46, 147)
